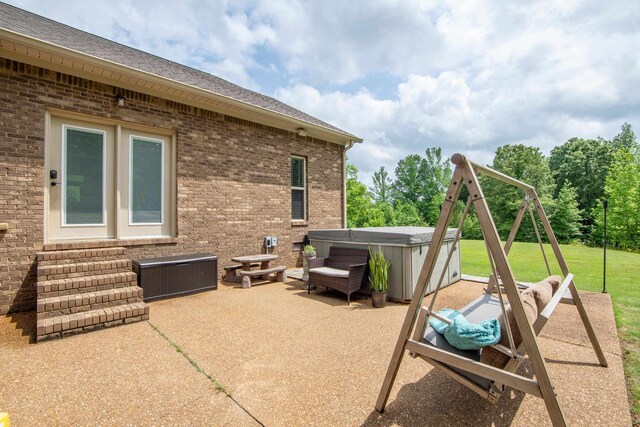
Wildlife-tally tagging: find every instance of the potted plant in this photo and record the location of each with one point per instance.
(308, 253)
(378, 275)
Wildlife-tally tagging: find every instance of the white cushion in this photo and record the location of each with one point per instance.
(328, 271)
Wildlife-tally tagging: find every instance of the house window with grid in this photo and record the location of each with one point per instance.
(298, 188)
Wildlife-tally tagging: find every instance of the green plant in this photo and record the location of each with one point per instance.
(378, 270)
(308, 249)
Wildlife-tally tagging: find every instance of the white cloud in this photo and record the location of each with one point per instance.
(466, 75)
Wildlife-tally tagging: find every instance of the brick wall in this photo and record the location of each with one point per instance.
(233, 176)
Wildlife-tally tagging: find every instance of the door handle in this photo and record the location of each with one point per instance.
(54, 183)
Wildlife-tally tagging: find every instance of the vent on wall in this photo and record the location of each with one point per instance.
(298, 246)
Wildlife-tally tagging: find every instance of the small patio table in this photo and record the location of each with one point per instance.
(247, 260)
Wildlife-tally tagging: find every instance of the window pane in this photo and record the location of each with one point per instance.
(146, 181)
(297, 172)
(83, 184)
(297, 204)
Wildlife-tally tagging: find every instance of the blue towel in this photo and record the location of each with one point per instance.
(464, 335)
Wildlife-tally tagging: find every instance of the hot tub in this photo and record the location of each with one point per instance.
(405, 247)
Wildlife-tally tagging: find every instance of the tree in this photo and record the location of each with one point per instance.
(625, 139)
(526, 164)
(381, 186)
(359, 205)
(622, 188)
(407, 214)
(407, 187)
(566, 215)
(419, 180)
(582, 164)
(437, 172)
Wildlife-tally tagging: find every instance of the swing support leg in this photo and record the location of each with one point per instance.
(572, 287)
(418, 294)
(511, 288)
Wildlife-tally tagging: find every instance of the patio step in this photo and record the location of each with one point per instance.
(82, 289)
(76, 303)
(83, 269)
(75, 256)
(79, 285)
(60, 326)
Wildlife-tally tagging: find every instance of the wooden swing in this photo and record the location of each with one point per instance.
(420, 340)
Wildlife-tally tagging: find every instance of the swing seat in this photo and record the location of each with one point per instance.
(486, 307)
(482, 308)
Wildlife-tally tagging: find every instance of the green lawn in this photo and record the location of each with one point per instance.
(623, 284)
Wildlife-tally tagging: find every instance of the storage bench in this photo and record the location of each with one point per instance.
(173, 276)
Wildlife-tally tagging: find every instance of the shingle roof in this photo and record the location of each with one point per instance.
(41, 28)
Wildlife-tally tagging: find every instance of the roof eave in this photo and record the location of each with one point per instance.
(49, 55)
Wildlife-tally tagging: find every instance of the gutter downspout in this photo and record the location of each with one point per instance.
(344, 183)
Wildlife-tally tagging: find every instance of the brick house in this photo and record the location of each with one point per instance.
(108, 153)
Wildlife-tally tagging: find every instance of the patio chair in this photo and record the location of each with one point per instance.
(343, 270)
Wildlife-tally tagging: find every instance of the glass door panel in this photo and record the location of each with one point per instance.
(83, 180)
(146, 170)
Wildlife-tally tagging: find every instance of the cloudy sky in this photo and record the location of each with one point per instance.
(466, 76)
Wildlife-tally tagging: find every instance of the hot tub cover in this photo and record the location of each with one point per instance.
(409, 236)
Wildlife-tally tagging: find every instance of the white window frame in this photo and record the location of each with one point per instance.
(162, 172)
(63, 175)
(304, 189)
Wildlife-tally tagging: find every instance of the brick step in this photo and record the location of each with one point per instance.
(57, 327)
(75, 256)
(79, 285)
(91, 268)
(76, 303)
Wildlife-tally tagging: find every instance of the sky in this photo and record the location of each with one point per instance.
(466, 76)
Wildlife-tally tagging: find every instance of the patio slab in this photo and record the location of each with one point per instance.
(128, 375)
(289, 358)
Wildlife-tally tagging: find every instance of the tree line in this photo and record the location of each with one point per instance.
(571, 182)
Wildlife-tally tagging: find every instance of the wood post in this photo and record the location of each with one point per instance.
(418, 294)
(511, 288)
(565, 270)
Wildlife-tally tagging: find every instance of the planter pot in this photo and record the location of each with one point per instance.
(306, 256)
(379, 299)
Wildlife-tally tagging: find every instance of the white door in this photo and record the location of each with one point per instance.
(81, 180)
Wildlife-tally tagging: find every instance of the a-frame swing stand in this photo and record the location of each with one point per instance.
(409, 339)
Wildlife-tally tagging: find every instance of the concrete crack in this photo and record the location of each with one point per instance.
(219, 386)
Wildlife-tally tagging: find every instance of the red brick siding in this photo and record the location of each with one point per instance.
(233, 176)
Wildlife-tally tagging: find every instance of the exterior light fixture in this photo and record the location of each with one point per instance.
(120, 100)
(301, 132)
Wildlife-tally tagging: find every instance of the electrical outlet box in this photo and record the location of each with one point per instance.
(268, 242)
(274, 242)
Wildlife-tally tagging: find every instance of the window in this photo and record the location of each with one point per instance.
(298, 188)
(146, 172)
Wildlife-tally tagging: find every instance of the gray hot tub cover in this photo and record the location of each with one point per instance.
(380, 235)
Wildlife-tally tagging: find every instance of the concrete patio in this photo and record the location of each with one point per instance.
(286, 358)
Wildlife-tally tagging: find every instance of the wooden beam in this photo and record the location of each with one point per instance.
(511, 288)
(565, 271)
(518, 382)
(546, 312)
(459, 159)
(418, 294)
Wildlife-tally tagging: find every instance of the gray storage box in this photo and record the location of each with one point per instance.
(405, 247)
(172, 276)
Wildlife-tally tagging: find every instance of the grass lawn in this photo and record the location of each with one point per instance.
(623, 284)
